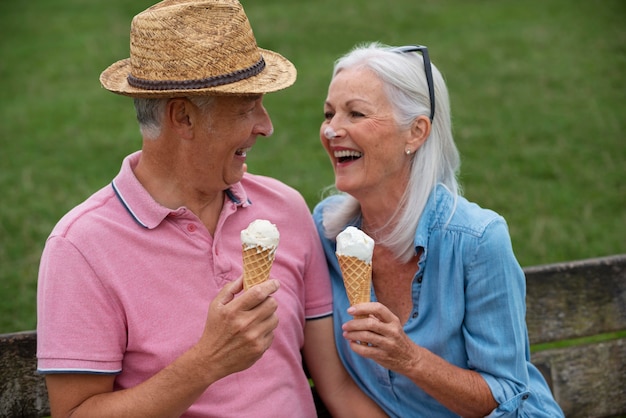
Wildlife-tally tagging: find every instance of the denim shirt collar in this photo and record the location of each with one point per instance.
(437, 211)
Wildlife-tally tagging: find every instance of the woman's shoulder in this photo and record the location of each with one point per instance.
(471, 226)
(330, 205)
(462, 214)
(329, 201)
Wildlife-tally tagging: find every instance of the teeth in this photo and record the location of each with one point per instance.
(347, 154)
(242, 151)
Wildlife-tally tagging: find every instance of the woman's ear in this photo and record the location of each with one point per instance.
(420, 130)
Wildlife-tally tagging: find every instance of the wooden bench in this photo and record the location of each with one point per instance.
(581, 304)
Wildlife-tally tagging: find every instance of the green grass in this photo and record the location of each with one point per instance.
(578, 341)
(537, 91)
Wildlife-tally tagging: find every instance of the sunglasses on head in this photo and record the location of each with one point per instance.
(427, 69)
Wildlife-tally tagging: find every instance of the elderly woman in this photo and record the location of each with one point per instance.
(445, 333)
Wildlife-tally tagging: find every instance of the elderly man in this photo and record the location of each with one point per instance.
(140, 303)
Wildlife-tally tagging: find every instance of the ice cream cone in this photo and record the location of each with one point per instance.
(257, 262)
(259, 242)
(357, 278)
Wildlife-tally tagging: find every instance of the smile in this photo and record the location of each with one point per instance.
(347, 155)
(242, 151)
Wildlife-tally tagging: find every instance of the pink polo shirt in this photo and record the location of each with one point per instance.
(125, 285)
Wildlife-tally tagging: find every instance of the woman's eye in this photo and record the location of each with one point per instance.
(328, 115)
(356, 114)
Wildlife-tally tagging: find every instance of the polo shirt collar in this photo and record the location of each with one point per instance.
(237, 194)
(142, 207)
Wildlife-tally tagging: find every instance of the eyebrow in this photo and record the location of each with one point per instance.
(349, 102)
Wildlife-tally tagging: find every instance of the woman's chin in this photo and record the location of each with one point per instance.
(343, 186)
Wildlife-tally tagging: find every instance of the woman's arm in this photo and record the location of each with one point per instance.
(464, 392)
(340, 394)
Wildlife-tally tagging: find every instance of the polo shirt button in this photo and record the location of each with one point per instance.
(191, 227)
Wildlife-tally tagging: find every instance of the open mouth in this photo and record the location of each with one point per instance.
(347, 155)
(242, 151)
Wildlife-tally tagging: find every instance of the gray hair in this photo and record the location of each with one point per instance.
(437, 161)
(150, 113)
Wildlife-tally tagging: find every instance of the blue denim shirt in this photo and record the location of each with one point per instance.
(468, 307)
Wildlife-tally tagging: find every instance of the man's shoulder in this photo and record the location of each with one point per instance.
(257, 185)
(85, 212)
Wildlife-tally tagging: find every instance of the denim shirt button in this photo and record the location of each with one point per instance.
(415, 314)
(525, 396)
(419, 279)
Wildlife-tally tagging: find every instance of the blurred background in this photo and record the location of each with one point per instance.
(537, 90)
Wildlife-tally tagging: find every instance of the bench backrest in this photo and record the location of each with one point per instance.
(22, 391)
(582, 305)
(581, 302)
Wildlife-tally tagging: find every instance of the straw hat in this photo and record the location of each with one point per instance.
(194, 48)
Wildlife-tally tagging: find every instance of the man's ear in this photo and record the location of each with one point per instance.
(420, 130)
(178, 118)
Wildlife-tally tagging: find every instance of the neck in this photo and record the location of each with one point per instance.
(171, 185)
(377, 222)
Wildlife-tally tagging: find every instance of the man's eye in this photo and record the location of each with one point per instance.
(247, 110)
(356, 114)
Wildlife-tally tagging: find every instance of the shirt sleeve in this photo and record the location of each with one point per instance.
(494, 326)
(79, 327)
(317, 279)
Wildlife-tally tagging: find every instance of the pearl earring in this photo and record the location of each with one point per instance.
(407, 151)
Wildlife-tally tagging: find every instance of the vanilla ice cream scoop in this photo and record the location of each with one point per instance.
(260, 234)
(353, 242)
(258, 245)
(354, 254)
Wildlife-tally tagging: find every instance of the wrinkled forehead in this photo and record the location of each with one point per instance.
(356, 84)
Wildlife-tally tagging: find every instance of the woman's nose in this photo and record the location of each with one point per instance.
(330, 133)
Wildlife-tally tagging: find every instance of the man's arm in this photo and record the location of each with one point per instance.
(237, 333)
(340, 394)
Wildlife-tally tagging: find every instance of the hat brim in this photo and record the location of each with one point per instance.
(279, 73)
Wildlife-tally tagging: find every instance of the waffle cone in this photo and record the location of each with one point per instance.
(357, 278)
(257, 262)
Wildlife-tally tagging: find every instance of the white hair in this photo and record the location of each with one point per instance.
(437, 161)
